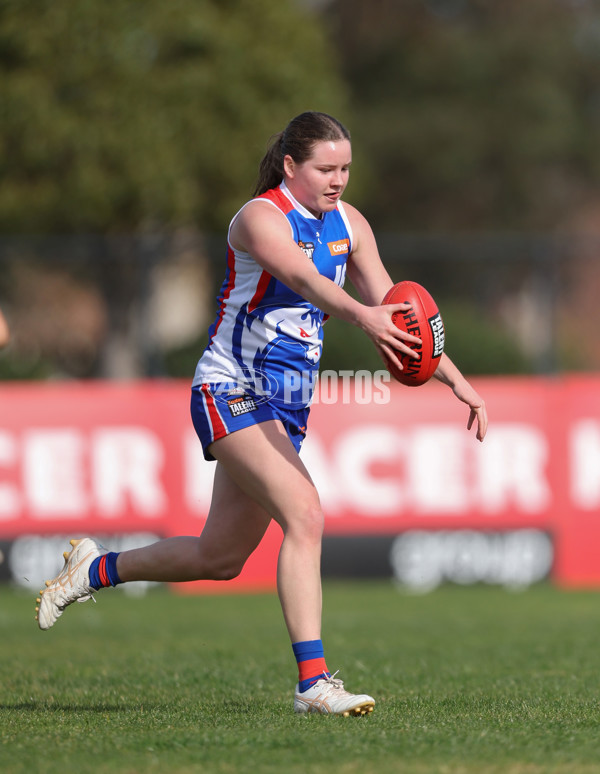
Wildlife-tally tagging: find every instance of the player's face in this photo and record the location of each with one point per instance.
(319, 182)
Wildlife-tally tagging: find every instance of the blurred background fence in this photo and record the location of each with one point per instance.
(121, 307)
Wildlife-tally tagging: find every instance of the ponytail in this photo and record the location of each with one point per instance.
(270, 171)
(297, 140)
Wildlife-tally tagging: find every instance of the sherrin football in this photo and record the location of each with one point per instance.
(422, 320)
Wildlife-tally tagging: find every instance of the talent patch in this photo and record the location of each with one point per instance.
(437, 330)
(341, 247)
(242, 404)
(308, 248)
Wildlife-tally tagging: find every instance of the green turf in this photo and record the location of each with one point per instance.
(470, 680)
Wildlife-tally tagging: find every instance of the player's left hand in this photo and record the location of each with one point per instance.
(468, 395)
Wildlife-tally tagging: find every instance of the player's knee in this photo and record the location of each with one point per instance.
(225, 570)
(219, 566)
(226, 573)
(307, 522)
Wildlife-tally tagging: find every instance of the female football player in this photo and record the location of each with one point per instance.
(288, 251)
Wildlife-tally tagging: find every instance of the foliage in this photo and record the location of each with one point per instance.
(127, 115)
(473, 114)
(467, 115)
(479, 346)
(474, 344)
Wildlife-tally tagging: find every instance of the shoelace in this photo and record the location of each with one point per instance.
(87, 599)
(332, 680)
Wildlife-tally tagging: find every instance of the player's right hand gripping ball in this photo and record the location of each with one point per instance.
(422, 320)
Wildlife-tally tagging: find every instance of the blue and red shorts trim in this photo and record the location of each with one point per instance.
(220, 409)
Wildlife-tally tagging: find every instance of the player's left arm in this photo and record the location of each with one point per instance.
(449, 374)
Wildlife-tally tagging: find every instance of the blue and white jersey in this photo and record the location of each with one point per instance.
(266, 339)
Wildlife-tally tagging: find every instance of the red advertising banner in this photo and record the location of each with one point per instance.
(110, 458)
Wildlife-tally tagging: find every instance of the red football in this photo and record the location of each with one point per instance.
(423, 320)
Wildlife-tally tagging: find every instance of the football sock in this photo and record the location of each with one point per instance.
(311, 663)
(103, 571)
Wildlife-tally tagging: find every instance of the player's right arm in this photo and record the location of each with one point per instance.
(263, 231)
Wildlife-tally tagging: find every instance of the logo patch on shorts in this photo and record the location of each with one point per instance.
(241, 404)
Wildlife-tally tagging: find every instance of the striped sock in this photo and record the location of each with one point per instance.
(103, 571)
(311, 663)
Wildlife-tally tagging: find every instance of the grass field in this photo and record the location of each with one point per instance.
(470, 680)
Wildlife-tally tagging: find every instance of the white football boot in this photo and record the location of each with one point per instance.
(328, 697)
(72, 584)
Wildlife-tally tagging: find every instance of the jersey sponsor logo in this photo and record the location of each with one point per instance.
(308, 248)
(304, 334)
(242, 404)
(339, 247)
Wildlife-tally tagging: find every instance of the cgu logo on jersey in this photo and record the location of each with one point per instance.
(340, 247)
(308, 248)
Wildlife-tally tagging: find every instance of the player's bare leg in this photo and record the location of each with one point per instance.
(234, 527)
(265, 465)
(259, 475)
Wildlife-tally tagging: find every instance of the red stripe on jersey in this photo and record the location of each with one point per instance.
(277, 196)
(219, 429)
(226, 292)
(261, 289)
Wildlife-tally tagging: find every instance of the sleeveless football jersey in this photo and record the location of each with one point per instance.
(266, 339)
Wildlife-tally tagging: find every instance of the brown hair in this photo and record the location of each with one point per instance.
(297, 140)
